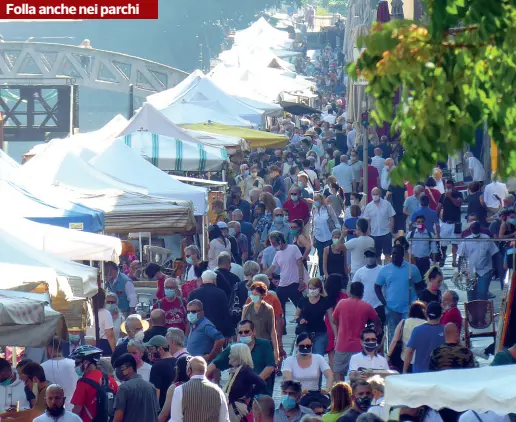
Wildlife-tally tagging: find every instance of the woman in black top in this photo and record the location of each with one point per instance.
(310, 314)
(434, 280)
(476, 204)
(334, 258)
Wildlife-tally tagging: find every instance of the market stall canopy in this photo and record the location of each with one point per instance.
(258, 57)
(198, 87)
(231, 143)
(171, 154)
(124, 163)
(65, 243)
(149, 119)
(132, 213)
(62, 168)
(28, 322)
(185, 112)
(256, 138)
(21, 263)
(298, 109)
(478, 389)
(263, 31)
(48, 207)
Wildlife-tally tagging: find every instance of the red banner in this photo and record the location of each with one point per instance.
(78, 9)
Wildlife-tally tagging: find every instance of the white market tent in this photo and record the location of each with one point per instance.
(171, 154)
(7, 165)
(188, 113)
(124, 163)
(198, 87)
(21, 263)
(228, 142)
(479, 389)
(65, 243)
(265, 33)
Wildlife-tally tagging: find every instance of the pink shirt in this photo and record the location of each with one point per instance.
(286, 260)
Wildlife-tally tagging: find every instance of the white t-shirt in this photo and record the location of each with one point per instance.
(489, 416)
(477, 169)
(379, 162)
(144, 371)
(238, 270)
(360, 360)
(105, 323)
(378, 216)
(368, 276)
(13, 393)
(287, 262)
(67, 417)
(495, 188)
(345, 176)
(357, 246)
(62, 372)
(308, 377)
(116, 325)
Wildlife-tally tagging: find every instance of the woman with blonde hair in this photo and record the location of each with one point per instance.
(310, 314)
(434, 279)
(243, 383)
(340, 401)
(324, 221)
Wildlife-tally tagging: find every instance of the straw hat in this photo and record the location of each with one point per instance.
(145, 324)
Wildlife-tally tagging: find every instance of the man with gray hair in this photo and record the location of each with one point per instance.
(411, 204)
(377, 408)
(378, 161)
(246, 228)
(135, 328)
(192, 257)
(345, 177)
(204, 339)
(234, 230)
(224, 274)
(176, 341)
(478, 174)
(214, 301)
(451, 312)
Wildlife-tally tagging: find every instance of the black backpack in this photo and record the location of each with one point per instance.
(105, 400)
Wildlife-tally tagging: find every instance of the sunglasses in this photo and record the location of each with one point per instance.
(192, 312)
(111, 303)
(244, 332)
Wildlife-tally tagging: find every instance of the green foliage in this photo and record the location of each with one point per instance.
(451, 80)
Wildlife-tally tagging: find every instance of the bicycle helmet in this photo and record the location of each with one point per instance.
(86, 352)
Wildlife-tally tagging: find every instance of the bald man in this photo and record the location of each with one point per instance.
(213, 407)
(452, 354)
(158, 327)
(263, 409)
(55, 401)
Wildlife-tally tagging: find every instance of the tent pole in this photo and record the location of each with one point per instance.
(204, 222)
(140, 243)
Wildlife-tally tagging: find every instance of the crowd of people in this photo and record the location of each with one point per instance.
(369, 297)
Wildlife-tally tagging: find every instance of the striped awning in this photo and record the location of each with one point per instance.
(172, 154)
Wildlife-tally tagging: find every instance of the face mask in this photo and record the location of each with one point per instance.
(75, 338)
(363, 402)
(370, 261)
(354, 202)
(246, 340)
(512, 221)
(376, 198)
(290, 160)
(120, 374)
(246, 172)
(110, 307)
(139, 336)
(449, 190)
(293, 197)
(300, 183)
(293, 232)
(170, 293)
(317, 204)
(189, 260)
(335, 241)
(254, 174)
(278, 248)
(420, 227)
(475, 235)
(370, 346)
(288, 402)
(353, 159)
(434, 287)
(137, 358)
(313, 292)
(255, 298)
(56, 412)
(6, 382)
(192, 318)
(232, 232)
(278, 219)
(285, 218)
(79, 371)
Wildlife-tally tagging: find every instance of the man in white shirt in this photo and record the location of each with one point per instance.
(358, 245)
(55, 401)
(368, 358)
(495, 188)
(380, 215)
(385, 178)
(350, 137)
(367, 275)
(478, 174)
(437, 174)
(345, 177)
(186, 396)
(378, 161)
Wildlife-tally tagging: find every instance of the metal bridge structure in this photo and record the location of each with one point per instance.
(37, 63)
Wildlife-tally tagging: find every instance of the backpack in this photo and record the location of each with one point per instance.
(105, 400)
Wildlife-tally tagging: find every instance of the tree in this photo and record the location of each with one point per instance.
(451, 78)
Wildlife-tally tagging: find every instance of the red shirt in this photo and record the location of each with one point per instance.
(85, 395)
(352, 316)
(434, 195)
(175, 312)
(160, 293)
(410, 189)
(452, 315)
(299, 211)
(188, 288)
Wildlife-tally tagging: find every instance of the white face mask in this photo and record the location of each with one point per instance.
(313, 292)
(376, 198)
(139, 336)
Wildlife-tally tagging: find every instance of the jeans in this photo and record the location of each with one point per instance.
(320, 343)
(288, 292)
(320, 253)
(481, 289)
(393, 319)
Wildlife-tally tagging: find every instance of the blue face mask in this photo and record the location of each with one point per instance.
(300, 183)
(170, 293)
(75, 338)
(278, 219)
(246, 340)
(288, 402)
(285, 218)
(6, 382)
(255, 298)
(189, 260)
(79, 371)
(110, 307)
(192, 318)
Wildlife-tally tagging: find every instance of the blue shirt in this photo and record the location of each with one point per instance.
(424, 339)
(268, 256)
(351, 224)
(431, 218)
(396, 282)
(202, 337)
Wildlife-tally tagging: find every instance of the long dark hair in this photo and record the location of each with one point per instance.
(214, 232)
(181, 364)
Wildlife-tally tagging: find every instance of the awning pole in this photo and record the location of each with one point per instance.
(203, 243)
(140, 243)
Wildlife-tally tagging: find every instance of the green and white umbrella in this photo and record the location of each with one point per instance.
(172, 154)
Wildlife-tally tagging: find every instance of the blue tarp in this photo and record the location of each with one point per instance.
(46, 207)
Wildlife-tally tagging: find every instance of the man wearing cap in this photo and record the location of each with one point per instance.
(163, 370)
(424, 339)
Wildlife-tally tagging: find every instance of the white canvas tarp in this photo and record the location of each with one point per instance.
(124, 163)
(7, 165)
(263, 32)
(66, 243)
(478, 389)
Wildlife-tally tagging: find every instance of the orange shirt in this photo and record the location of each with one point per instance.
(273, 301)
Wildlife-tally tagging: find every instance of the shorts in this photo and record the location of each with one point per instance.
(383, 244)
(448, 230)
(341, 362)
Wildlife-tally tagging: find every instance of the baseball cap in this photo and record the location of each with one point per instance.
(433, 310)
(157, 341)
(371, 250)
(222, 225)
